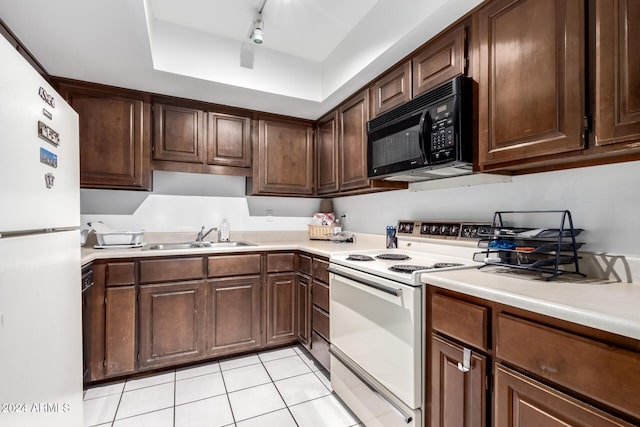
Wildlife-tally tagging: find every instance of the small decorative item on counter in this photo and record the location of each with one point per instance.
(321, 227)
(323, 218)
(336, 227)
(108, 238)
(392, 237)
(225, 231)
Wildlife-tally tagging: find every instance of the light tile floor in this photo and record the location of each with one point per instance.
(283, 387)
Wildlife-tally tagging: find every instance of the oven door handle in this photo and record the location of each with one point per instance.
(370, 283)
(407, 418)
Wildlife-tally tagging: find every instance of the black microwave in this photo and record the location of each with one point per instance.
(425, 138)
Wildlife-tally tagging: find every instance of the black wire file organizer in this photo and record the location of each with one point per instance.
(552, 251)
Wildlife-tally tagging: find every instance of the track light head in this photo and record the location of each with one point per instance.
(258, 31)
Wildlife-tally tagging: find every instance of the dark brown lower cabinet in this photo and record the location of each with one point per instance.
(171, 323)
(280, 308)
(232, 315)
(120, 331)
(303, 306)
(458, 397)
(521, 401)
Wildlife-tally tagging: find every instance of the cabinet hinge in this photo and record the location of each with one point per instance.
(138, 357)
(489, 383)
(104, 363)
(466, 65)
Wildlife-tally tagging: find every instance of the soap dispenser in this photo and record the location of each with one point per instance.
(225, 231)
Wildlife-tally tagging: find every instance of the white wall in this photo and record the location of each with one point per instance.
(603, 200)
(185, 202)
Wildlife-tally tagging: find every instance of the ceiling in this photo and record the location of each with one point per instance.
(315, 52)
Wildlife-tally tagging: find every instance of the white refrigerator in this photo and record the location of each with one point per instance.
(40, 280)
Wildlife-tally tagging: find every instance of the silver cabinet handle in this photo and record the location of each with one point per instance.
(393, 291)
(465, 366)
(407, 418)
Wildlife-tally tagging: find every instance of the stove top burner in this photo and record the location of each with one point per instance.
(394, 257)
(358, 257)
(446, 264)
(407, 268)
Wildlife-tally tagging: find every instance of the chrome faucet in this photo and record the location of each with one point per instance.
(201, 234)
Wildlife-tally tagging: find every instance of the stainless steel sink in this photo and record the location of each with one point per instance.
(195, 245)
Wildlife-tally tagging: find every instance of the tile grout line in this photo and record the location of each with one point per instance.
(278, 390)
(226, 393)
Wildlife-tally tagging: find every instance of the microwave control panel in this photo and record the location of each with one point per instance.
(443, 131)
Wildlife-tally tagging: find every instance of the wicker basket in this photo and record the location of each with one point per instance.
(320, 232)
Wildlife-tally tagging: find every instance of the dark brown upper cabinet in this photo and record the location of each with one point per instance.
(282, 158)
(188, 138)
(393, 89)
(352, 136)
(440, 60)
(115, 135)
(617, 71)
(229, 140)
(531, 80)
(327, 154)
(179, 133)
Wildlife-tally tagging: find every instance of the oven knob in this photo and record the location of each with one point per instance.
(444, 230)
(434, 229)
(455, 230)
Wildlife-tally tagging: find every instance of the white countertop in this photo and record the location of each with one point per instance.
(264, 241)
(609, 306)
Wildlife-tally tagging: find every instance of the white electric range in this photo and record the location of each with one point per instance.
(377, 306)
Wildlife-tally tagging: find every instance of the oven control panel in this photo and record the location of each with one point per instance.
(442, 229)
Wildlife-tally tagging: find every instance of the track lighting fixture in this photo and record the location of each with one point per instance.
(256, 32)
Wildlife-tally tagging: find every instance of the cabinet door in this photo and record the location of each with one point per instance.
(280, 308)
(353, 142)
(120, 331)
(458, 398)
(521, 401)
(531, 79)
(115, 138)
(440, 60)
(392, 90)
(327, 154)
(284, 159)
(171, 317)
(232, 315)
(178, 134)
(303, 309)
(229, 140)
(617, 85)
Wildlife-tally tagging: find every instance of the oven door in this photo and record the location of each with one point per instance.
(377, 324)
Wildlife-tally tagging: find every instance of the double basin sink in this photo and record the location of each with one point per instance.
(195, 245)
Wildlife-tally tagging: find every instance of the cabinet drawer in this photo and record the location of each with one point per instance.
(120, 274)
(169, 270)
(320, 350)
(523, 401)
(277, 263)
(304, 264)
(320, 322)
(605, 373)
(461, 320)
(320, 295)
(234, 265)
(320, 270)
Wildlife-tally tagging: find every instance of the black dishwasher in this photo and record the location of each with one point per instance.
(87, 293)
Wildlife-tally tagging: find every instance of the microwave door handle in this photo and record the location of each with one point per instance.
(424, 135)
